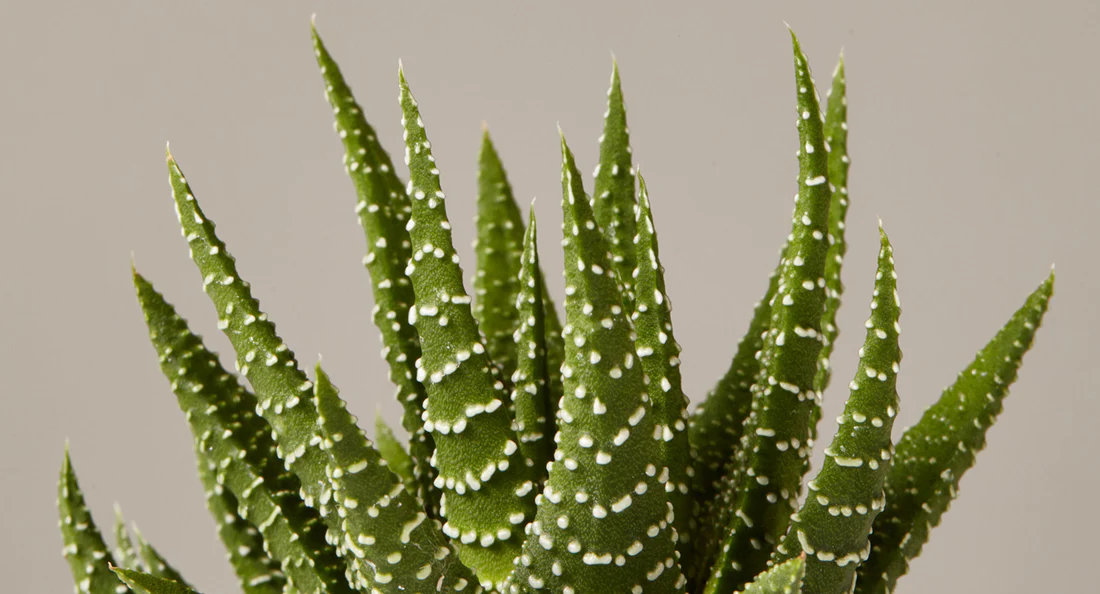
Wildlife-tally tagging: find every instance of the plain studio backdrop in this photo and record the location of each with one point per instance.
(974, 135)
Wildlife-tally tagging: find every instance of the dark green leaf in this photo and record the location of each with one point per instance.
(614, 192)
(384, 209)
(659, 354)
(489, 491)
(833, 525)
(933, 455)
(603, 522)
(777, 438)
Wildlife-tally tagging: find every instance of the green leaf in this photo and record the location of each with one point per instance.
(383, 209)
(155, 563)
(488, 489)
(777, 438)
(836, 140)
(603, 522)
(144, 583)
(393, 453)
(235, 446)
(933, 455)
(833, 525)
(84, 549)
(785, 578)
(535, 425)
(614, 192)
(384, 534)
(256, 572)
(715, 434)
(125, 552)
(659, 354)
(499, 248)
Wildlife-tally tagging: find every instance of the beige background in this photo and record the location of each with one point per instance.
(974, 135)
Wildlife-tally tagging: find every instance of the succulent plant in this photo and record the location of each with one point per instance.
(554, 454)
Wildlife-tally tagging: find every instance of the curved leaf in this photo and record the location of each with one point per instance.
(777, 438)
(383, 209)
(933, 455)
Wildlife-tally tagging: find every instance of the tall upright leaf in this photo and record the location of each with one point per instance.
(386, 538)
(499, 247)
(257, 572)
(613, 198)
(604, 521)
(836, 141)
(535, 424)
(777, 439)
(84, 549)
(383, 210)
(715, 434)
(933, 455)
(659, 354)
(832, 526)
(235, 447)
(488, 489)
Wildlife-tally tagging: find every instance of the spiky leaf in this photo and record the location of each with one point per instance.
(394, 453)
(125, 552)
(785, 578)
(836, 139)
(535, 425)
(659, 354)
(144, 583)
(383, 210)
(614, 192)
(488, 489)
(385, 536)
(499, 248)
(832, 526)
(84, 548)
(155, 563)
(933, 455)
(257, 572)
(236, 448)
(777, 438)
(603, 522)
(715, 434)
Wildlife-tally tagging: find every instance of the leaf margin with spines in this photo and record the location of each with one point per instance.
(908, 514)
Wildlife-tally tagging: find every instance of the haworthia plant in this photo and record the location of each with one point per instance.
(551, 458)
